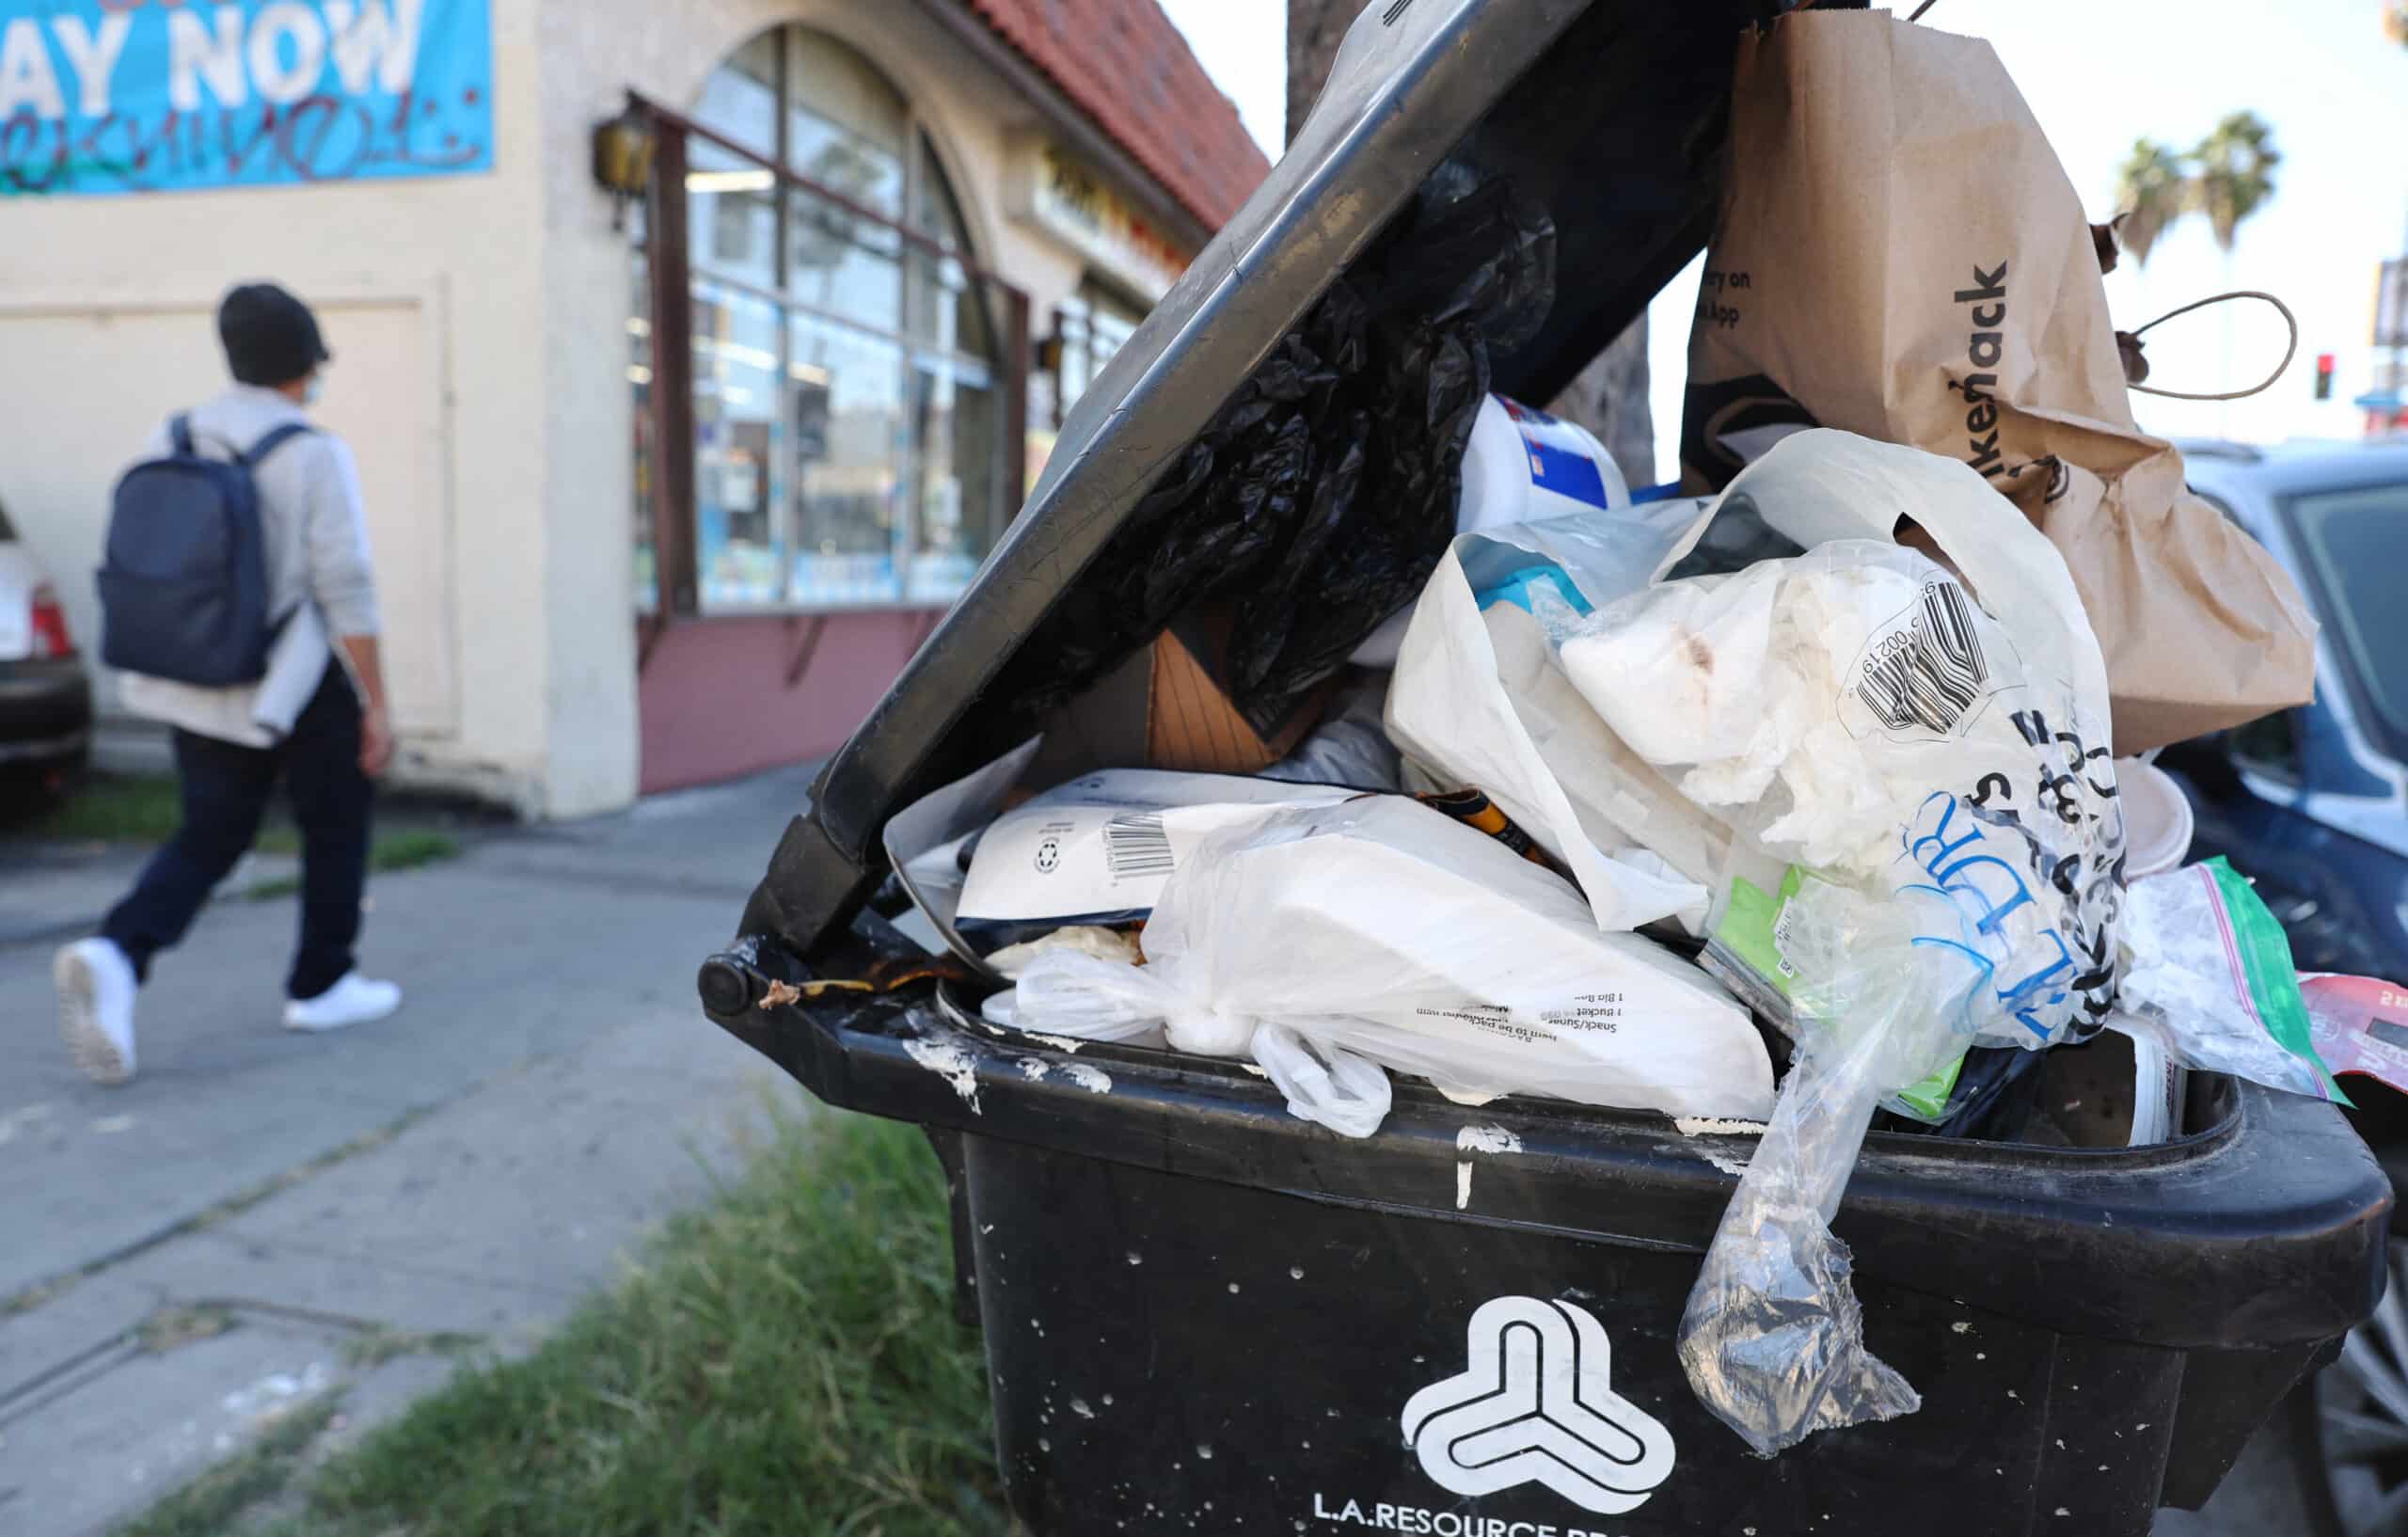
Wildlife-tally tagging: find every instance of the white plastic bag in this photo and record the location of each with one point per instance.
(1382, 929)
(1866, 713)
(1479, 700)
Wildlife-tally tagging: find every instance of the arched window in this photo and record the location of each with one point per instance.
(849, 438)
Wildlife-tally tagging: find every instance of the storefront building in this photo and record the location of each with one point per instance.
(666, 482)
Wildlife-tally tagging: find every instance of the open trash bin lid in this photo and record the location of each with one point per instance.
(2108, 1326)
(1610, 116)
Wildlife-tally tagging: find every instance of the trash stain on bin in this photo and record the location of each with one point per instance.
(1094, 1080)
(1486, 1139)
(950, 1063)
(1718, 1126)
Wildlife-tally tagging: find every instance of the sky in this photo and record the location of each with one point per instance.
(2097, 75)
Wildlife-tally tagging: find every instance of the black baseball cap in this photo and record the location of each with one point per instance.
(270, 336)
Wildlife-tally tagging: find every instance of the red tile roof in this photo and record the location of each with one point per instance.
(1123, 63)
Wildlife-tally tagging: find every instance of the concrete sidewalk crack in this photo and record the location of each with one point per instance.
(46, 1292)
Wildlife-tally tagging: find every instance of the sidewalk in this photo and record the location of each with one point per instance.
(261, 1217)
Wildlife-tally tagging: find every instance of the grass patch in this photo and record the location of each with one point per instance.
(112, 809)
(408, 849)
(372, 1349)
(210, 1504)
(787, 1363)
(144, 809)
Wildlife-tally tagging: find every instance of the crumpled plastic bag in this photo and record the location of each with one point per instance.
(1773, 1338)
(1324, 491)
(2208, 977)
(1382, 931)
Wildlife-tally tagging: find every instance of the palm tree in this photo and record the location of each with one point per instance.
(2235, 174)
(2153, 189)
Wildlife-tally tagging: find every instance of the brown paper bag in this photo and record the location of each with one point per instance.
(1901, 255)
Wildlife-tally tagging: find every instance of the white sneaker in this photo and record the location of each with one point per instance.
(355, 1000)
(96, 990)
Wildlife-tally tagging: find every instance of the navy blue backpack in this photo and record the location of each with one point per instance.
(184, 582)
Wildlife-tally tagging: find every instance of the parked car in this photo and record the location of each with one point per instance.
(45, 697)
(2312, 804)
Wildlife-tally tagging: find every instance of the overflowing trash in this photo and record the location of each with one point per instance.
(1795, 803)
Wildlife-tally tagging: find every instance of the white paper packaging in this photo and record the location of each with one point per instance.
(1098, 848)
(1386, 930)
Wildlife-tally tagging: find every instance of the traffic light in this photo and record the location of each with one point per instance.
(2324, 376)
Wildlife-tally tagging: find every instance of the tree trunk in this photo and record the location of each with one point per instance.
(1315, 27)
(1609, 396)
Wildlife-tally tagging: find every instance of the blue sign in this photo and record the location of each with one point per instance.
(115, 96)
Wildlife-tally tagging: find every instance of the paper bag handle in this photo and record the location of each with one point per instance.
(2289, 352)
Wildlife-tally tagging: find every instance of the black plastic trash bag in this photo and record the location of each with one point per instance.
(1328, 482)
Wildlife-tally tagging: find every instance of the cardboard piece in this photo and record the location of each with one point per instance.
(1166, 707)
(1900, 255)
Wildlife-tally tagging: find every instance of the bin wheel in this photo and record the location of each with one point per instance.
(2350, 1425)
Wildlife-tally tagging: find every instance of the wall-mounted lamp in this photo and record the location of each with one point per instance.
(622, 153)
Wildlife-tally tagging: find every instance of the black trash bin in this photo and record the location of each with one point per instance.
(1203, 1315)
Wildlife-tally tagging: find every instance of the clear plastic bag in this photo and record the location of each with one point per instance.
(1773, 1338)
(1382, 930)
(2208, 978)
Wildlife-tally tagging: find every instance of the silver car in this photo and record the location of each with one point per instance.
(45, 696)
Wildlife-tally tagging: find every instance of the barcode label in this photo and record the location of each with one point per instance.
(1134, 845)
(1931, 674)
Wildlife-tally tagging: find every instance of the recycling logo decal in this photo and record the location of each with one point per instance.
(1535, 1407)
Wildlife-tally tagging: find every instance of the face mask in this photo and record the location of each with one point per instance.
(316, 388)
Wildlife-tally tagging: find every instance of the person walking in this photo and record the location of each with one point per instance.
(315, 716)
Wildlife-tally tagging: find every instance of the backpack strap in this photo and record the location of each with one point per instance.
(180, 434)
(275, 438)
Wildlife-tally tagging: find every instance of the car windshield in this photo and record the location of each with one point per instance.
(2357, 544)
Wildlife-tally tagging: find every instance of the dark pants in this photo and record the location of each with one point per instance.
(225, 791)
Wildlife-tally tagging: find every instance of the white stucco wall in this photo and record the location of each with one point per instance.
(479, 323)
(430, 290)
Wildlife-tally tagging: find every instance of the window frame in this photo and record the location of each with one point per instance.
(666, 250)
